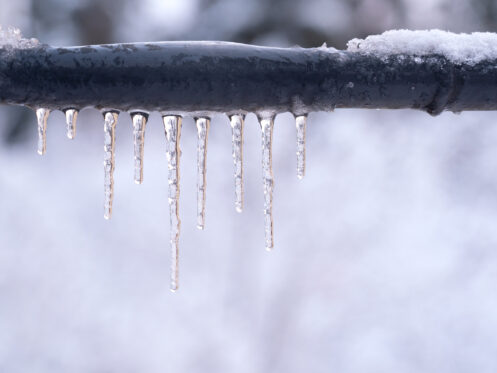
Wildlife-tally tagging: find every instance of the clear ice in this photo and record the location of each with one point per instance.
(139, 123)
(267, 125)
(110, 120)
(237, 141)
(300, 123)
(42, 117)
(172, 127)
(71, 118)
(202, 132)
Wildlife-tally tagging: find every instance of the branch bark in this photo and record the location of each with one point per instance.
(205, 77)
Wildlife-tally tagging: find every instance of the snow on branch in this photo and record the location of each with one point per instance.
(458, 48)
(12, 37)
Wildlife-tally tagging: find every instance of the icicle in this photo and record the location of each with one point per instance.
(110, 120)
(42, 117)
(300, 123)
(139, 123)
(237, 140)
(71, 118)
(267, 125)
(202, 132)
(172, 127)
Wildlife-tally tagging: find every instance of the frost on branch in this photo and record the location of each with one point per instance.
(12, 38)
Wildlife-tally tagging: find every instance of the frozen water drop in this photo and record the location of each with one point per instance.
(301, 122)
(237, 137)
(42, 117)
(203, 125)
(71, 118)
(139, 123)
(110, 121)
(267, 125)
(172, 127)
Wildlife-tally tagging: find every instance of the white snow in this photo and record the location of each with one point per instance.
(12, 37)
(458, 48)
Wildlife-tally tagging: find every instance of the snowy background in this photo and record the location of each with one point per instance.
(385, 254)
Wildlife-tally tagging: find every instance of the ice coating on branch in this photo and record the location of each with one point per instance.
(203, 125)
(458, 48)
(172, 127)
(237, 143)
(12, 38)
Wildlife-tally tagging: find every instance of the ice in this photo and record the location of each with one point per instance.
(172, 127)
(301, 122)
(139, 124)
(42, 117)
(458, 48)
(267, 125)
(202, 132)
(110, 120)
(12, 38)
(71, 118)
(237, 142)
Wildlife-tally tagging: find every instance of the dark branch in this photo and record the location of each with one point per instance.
(178, 77)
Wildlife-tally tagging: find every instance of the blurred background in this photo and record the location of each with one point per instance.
(385, 254)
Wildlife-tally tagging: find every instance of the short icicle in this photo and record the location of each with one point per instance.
(267, 125)
(71, 118)
(237, 141)
(301, 123)
(139, 123)
(203, 125)
(42, 117)
(110, 120)
(172, 127)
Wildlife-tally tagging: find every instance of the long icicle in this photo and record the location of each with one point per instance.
(71, 118)
(237, 142)
(267, 125)
(110, 120)
(42, 117)
(301, 122)
(139, 124)
(203, 125)
(172, 127)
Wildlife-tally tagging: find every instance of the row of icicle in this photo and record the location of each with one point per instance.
(172, 127)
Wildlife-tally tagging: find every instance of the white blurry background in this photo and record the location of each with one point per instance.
(385, 254)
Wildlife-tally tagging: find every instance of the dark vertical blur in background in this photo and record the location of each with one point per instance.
(386, 253)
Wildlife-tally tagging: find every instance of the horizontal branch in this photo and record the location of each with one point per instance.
(204, 77)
